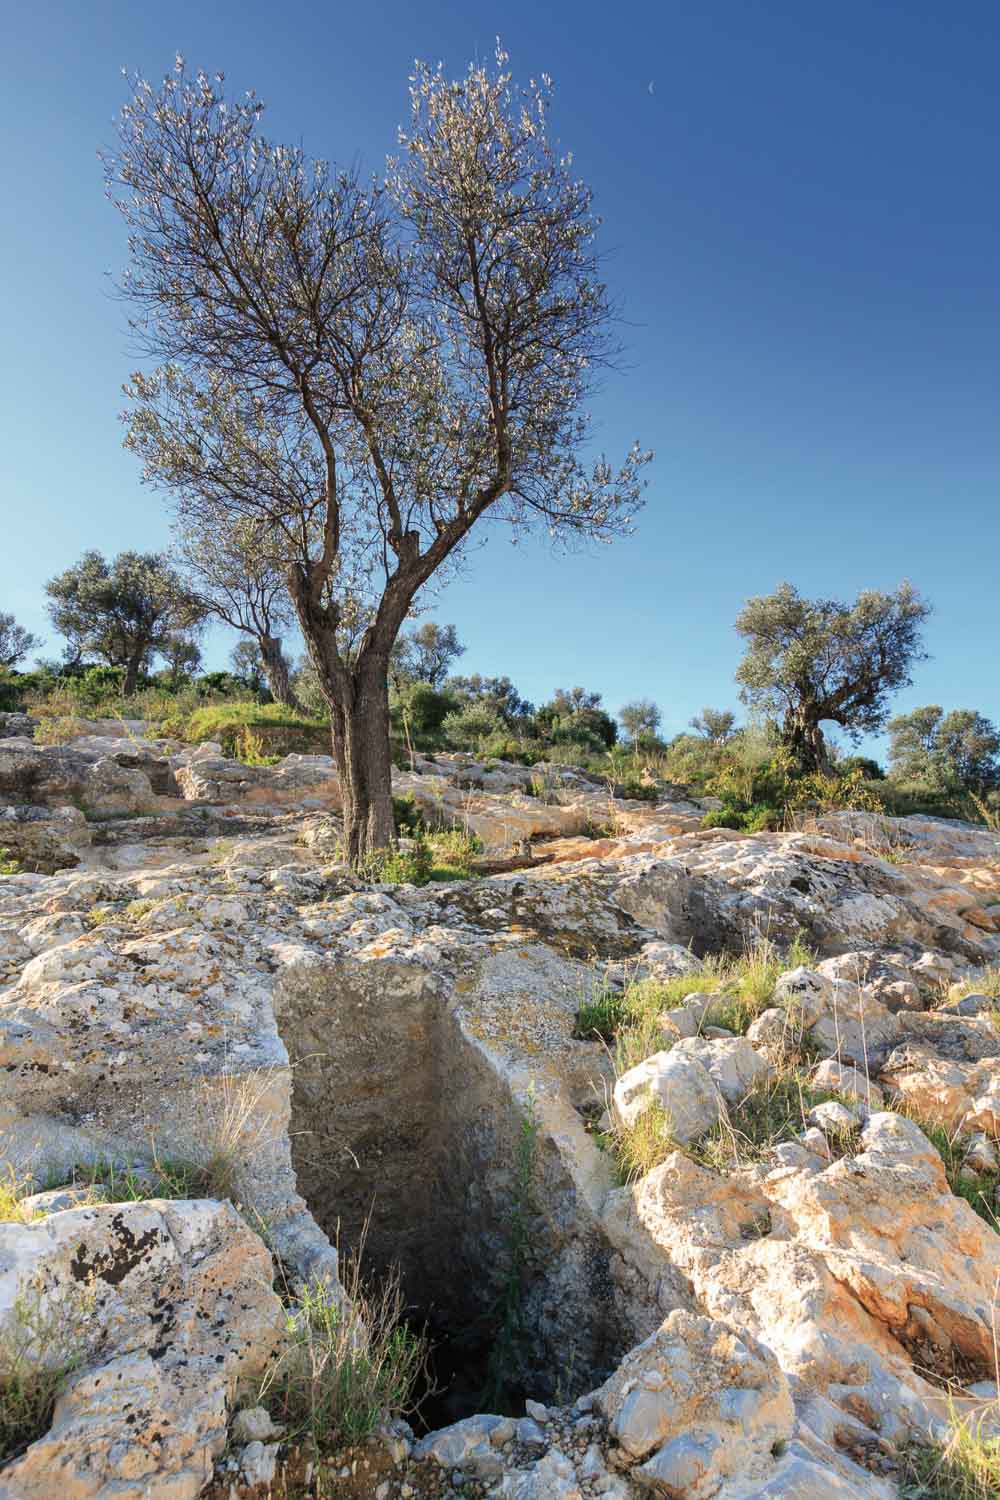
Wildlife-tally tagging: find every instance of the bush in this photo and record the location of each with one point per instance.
(420, 711)
(755, 818)
(227, 722)
(424, 857)
(468, 728)
(352, 1363)
(407, 816)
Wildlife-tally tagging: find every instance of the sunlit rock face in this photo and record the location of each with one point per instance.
(190, 975)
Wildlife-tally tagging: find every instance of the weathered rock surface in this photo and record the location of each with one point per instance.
(174, 1306)
(197, 970)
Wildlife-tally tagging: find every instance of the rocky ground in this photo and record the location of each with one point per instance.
(193, 990)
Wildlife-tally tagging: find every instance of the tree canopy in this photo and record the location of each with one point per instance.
(716, 724)
(425, 653)
(640, 719)
(15, 641)
(124, 612)
(958, 750)
(810, 662)
(233, 573)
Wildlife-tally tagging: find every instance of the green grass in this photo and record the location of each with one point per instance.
(964, 1466)
(166, 1177)
(644, 1144)
(12, 1189)
(986, 982)
(630, 1019)
(350, 1363)
(250, 725)
(430, 856)
(40, 1347)
(8, 864)
(772, 1111)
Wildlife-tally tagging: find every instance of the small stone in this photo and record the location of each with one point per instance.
(814, 1140)
(253, 1425)
(981, 1153)
(530, 1435)
(833, 1118)
(258, 1463)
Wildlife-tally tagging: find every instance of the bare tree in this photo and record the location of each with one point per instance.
(367, 370)
(232, 572)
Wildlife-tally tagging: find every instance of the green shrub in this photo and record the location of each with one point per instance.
(469, 728)
(8, 864)
(351, 1364)
(273, 723)
(407, 816)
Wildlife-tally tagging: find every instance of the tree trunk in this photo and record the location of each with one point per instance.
(276, 673)
(360, 731)
(358, 695)
(132, 667)
(804, 738)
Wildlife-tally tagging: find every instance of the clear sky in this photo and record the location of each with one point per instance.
(803, 222)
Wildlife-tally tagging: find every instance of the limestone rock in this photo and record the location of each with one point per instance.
(180, 1307)
(694, 1404)
(683, 1088)
(843, 1078)
(733, 1064)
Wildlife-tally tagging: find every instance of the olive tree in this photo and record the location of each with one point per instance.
(715, 724)
(815, 661)
(639, 719)
(124, 612)
(960, 749)
(15, 641)
(425, 654)
(236, 579)
(367, 368)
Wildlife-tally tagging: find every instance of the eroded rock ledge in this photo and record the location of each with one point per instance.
(195, 974)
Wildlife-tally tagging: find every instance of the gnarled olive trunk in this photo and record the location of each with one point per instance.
(276, 673)
(804, 737)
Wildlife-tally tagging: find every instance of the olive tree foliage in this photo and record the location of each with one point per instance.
(498, 694)
(367, 369)
(813, 661)
(182, 655)
(425, 654)
(124, 612)
(715, 724)
(235, 575)
(640, 719)
(15, 641)
(959, 750)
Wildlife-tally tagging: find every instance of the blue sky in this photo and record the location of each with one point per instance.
(802, 221)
